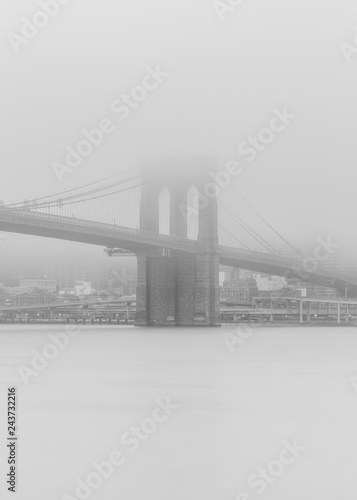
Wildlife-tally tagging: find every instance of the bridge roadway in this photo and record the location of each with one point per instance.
(296, 306)
(26, 221)
(66, 305)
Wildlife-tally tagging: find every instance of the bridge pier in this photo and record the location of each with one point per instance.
(178, 290)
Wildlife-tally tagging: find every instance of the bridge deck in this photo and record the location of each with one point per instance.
(26, 221)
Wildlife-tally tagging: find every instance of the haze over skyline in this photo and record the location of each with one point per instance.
(67, 78)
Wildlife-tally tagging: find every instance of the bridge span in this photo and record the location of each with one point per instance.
(137, 241)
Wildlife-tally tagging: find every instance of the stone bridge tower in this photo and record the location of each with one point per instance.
(173, 288)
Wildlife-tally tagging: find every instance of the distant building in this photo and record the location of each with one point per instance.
(38, 284)
(32, 299)
(239, 290)
(30, 285)
(320, 291)
(82, 288)
(269, 283)
(300, 289)
(228, 274)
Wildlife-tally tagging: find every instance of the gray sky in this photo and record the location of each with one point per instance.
(225, 79)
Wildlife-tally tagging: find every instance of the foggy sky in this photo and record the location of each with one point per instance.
(225, 79)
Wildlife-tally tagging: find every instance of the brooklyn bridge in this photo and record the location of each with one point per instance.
(155, 213)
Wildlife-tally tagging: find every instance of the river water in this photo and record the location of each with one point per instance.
(234, 411)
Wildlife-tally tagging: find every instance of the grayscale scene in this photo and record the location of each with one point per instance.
(178, 255)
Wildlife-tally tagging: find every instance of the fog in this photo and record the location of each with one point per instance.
(264, 91)
(224, 80)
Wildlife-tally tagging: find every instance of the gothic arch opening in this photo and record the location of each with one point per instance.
(192, 213)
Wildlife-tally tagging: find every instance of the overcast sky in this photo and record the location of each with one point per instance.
(225, 79)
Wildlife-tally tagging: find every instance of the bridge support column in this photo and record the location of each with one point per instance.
(156, 293)
(207, 296)
(338, 312)
(141, 318)
(161, 288)
(128, 304)
(186, 290)
(207, 270)
(301, 311)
